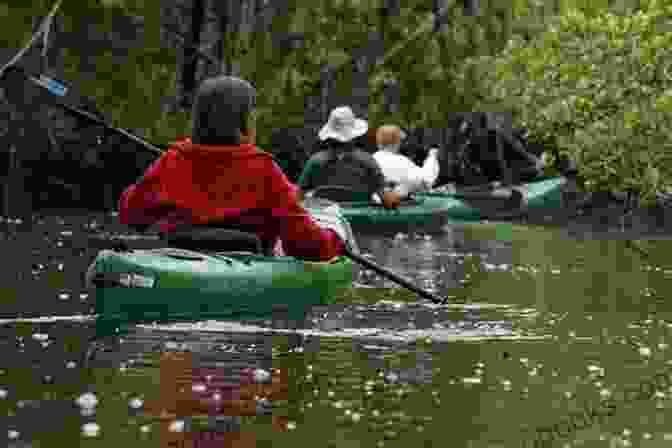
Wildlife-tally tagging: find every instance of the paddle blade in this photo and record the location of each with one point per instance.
(51, 85)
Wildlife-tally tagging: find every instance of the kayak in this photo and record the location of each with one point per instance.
(417, 213)
(177, 284)
(469, 205)
(432, 210)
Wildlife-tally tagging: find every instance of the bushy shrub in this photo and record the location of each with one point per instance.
(598, 88)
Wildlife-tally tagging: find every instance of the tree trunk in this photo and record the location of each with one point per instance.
(30, 142)
(392, 93)
(472, 7)
(327, 82)
(441, 15)
(213, 43)
(169, 19)
(27, 141)
(231, 18)
(190, 59)
(360, 84)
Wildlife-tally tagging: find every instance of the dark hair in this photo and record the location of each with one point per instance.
(222, 108)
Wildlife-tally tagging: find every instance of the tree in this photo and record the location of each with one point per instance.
(595, 88)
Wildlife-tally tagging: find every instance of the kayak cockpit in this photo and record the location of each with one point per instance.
(215, 239)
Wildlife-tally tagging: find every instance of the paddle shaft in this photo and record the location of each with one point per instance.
(392, 276)
(86, 115)
(498, 194)
(96, 120)
(490, 192)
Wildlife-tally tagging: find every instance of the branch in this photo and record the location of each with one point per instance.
(36, 35)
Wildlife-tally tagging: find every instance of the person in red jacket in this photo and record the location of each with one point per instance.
(219, 177)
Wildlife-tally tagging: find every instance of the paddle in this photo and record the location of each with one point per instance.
(57, 89)
(394, 277)
(503, 194)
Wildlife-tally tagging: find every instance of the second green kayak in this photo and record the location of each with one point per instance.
(433, 210)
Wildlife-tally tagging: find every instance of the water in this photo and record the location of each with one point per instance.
(538, 329)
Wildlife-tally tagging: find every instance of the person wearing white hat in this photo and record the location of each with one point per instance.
(399, 170)
(343, 125)
(343, 164)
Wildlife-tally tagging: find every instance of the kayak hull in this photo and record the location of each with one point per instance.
(174, 284)
(431, 211)
(168, 284)
(420, 214)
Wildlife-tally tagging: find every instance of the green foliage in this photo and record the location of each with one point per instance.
(599, 88)
(133, 79)
(102, 60)
(418, 58)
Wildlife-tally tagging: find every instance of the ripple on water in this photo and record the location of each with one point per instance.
(460, 331)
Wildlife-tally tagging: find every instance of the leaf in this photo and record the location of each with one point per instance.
(652, 175)
(112, 3)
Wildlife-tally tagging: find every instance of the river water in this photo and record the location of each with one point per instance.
(540, 327)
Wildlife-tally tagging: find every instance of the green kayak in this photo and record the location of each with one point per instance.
(416, 213)
(432, 210)
(175, 284)
(474, 205)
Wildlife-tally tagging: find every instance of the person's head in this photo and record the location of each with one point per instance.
(224, 112)
(343, 126)
(389, 137)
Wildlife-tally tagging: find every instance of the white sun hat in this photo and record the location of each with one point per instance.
(343, 125)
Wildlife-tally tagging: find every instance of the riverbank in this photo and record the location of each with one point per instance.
(605, 215)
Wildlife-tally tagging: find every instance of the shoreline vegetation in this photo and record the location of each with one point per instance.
(607, 101)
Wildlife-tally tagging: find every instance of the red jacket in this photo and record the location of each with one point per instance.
(196, 184)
